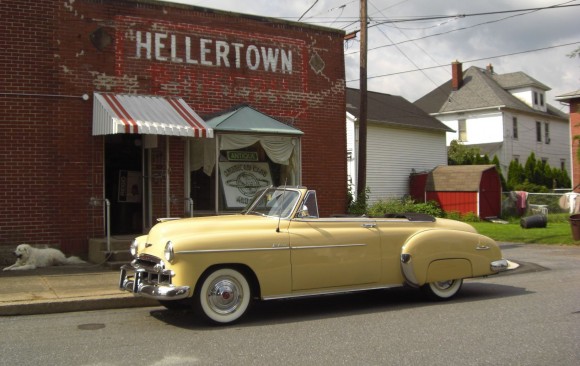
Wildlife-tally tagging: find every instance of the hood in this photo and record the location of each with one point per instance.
(210, 232)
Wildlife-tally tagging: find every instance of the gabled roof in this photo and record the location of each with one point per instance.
(516, 80)
(246, 119)
(456, 178)
(481, 90)
(392, 110)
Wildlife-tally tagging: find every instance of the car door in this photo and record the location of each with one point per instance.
(334, 252)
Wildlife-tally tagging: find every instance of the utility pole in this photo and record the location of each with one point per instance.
(362, 119)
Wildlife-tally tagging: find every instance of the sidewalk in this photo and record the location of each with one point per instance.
(64, 289)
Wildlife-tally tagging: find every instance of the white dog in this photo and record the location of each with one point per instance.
(29, 257)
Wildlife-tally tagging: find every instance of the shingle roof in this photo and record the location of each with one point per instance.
(456, 178)
(480, 90)
(568, 96)
(518, 79)
(392, 110)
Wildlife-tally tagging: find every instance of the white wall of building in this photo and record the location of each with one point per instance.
(555, 151)
(394, 153)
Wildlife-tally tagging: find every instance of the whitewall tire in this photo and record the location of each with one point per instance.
(223, 297)
(442, 290)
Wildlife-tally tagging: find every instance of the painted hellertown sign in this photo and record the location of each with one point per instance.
(178, 48)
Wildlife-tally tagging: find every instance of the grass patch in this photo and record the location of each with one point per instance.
(558, 231)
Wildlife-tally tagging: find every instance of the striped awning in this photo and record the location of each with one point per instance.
(149, 115)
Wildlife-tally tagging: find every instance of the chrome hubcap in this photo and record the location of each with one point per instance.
(443, 285)
(224, 295)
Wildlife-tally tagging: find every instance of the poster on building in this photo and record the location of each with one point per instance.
(129, 186)
(241, 180)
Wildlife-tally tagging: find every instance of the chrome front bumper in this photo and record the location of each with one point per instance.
(503, 265)
(151, 281)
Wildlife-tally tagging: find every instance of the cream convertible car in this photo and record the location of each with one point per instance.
(279, 247)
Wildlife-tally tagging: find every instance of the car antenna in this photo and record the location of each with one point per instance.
(280, 214)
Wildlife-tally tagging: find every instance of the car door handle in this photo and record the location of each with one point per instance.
(369, 226)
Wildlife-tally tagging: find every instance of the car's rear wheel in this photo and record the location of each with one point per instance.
(442, 290)
(223, 296)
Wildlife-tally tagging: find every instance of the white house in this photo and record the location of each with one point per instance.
(503, 114)
(401, 139)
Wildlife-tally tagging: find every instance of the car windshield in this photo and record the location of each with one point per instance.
(277, 202)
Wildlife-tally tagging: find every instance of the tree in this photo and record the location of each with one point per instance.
(459, 154)
(530, 168)
(516, 174)
(495, 162)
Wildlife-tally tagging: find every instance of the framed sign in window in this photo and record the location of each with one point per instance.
(240, 181)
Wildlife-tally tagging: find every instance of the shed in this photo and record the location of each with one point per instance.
(461, 188)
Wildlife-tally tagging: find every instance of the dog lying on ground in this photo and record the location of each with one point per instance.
(28, 257)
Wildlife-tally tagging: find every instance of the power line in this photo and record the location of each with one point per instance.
(469, 61)
(439, 17)
(528, 11)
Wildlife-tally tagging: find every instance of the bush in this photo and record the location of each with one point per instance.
(404, 205)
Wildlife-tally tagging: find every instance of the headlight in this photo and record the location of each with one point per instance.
(169, 254)
(134, 248)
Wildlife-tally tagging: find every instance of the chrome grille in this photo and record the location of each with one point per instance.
(147, 270)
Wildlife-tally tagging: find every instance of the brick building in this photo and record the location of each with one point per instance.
(573, 101)
(125, 101)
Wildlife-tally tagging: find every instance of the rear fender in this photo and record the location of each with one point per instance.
(438, 255)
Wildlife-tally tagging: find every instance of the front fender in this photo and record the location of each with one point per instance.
(441, 254)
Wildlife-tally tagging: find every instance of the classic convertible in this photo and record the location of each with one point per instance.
(279, 247)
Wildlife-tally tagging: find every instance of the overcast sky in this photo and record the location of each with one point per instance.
(397, 47)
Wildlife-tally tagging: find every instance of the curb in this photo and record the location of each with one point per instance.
(75, 304)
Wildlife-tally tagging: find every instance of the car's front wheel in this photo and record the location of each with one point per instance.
(223, 296)
(442, 290)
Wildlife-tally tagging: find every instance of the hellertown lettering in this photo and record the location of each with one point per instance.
(182, 49)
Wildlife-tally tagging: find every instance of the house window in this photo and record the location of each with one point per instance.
(538, 131)
(515, 127)
(547, 132)
(542, 99)
(462, 127)
(535, 98)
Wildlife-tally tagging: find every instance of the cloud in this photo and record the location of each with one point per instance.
(463, 38)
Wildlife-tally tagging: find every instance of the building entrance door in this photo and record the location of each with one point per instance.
(124, 182)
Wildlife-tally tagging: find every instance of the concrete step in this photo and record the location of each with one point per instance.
(119, 250)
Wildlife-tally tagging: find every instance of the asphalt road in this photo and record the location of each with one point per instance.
(528, 317)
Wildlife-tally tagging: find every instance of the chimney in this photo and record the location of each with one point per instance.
(489, 69)
(457, 75)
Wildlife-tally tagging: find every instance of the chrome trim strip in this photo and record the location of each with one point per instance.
(329, 292)
(274, 247)
(230, 250)
(329, 246)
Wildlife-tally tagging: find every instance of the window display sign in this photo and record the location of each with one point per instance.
(129, 186)
(242, 155)
(240, 181)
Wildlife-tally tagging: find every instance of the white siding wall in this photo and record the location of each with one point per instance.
(352, 147)
(481, 129)
(393, 153)
(557, 150)
(498, 127)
